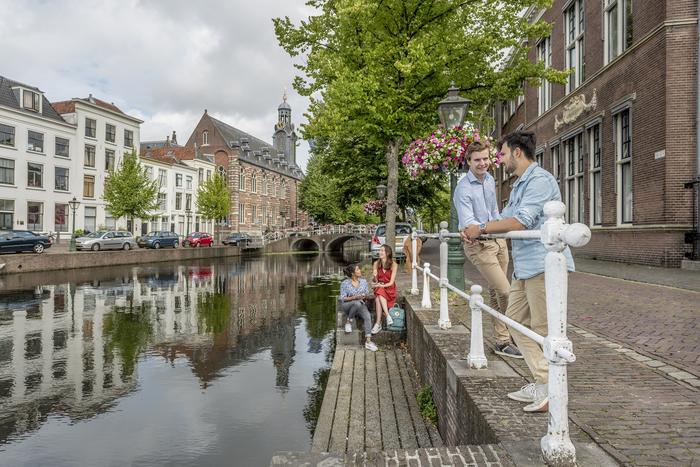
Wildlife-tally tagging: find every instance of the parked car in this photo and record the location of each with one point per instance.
(403, 230)
(196, 239)
(15, 241)
(159, 239)
(237, 239)
(106, 240)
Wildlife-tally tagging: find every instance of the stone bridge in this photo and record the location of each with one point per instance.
(319, 242)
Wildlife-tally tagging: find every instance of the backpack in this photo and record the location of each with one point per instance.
(399, 316)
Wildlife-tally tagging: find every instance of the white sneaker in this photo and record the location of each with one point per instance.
(348, 327)
(541, 402)
(377, 327)
(525, 394)
(389, 321)
(371, 346)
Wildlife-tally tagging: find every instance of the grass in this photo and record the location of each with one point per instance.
(426, 404)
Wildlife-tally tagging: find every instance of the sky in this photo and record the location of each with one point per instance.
(163, 61)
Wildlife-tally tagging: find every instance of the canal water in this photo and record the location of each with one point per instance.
(216, 362)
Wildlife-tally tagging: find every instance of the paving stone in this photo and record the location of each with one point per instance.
(681, 375)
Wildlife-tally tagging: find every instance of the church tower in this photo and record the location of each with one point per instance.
(284, 138)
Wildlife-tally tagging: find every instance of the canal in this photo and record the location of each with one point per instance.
(214, 362)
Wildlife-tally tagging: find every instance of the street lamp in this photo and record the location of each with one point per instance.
(74, 203)
(453, 111)
(188, 215)
(381, 194)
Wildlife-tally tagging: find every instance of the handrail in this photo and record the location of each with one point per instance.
(556, 236)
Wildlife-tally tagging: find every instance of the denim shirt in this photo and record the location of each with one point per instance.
(475, 201)
(526, 204)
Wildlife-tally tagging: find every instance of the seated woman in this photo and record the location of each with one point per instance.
(384, 285)
(353, 292)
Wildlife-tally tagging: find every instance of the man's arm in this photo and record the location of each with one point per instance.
(463, 205)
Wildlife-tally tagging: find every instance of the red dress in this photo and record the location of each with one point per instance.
(389, 293)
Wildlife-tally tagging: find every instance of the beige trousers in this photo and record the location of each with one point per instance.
(490, 257)
(528, 306)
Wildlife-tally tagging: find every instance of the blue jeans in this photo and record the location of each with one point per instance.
(358, 308)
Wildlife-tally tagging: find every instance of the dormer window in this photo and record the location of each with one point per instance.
(205, 137)
(31, 101)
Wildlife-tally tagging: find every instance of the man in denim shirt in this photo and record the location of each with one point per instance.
(525, 211)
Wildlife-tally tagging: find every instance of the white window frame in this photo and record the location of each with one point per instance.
(574, 170)
(574, 25)
(94, 180)
(595, 177)
(254, 183)
(614, 13)
(623, 161)
(241, 181)
(241, 213)
(205, 138)
(41, 175)
(55, 178)
(544, 92)
(556, 161)
(7, 206)
(162, 178)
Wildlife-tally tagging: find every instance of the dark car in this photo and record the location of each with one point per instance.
(196, 239)
(237, 239)
(14, 241)
(159, 240)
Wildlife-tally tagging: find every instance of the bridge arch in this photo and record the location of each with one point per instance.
(336, 243)
(305, 244)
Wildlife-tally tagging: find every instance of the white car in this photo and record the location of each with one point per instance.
(403, 230)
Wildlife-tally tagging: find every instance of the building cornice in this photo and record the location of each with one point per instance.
(108, 111)
(38, 117)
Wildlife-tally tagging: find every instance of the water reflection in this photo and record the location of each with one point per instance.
(74, 345)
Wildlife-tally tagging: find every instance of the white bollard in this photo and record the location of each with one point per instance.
(476, 358)
(444, 320)
(414, 264)
(426, 302)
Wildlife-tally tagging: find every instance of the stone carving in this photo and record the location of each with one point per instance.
(573, 110)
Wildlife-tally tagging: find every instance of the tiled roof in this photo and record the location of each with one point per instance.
(65, 107)
(7, 98)
(169, 155)
(145, 145)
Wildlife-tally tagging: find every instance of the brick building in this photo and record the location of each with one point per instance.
(620, 136)
(263, 178)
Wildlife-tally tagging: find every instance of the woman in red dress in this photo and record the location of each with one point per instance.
(383, 282)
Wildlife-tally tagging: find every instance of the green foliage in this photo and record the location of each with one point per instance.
(426, 404)
(213, 200)
(78, 233)
(129, 330)
(129, 191)
(213, 312)
(435, 209)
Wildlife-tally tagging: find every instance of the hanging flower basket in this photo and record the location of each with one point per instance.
(444, 151)
(374, 206)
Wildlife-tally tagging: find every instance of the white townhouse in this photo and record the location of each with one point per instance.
(103, 135)
(40, 161)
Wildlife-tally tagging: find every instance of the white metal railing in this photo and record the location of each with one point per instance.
(556, 235)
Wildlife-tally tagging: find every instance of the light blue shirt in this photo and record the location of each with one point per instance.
(526, 204)
(475, 201)
(347, 290)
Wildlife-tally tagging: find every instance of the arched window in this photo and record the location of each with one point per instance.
(254, 184)
(205, 137)
(283, 190)
(264, 187)
(221, 171)
(241, 181)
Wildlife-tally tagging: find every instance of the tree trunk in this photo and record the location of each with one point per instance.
(392, 184)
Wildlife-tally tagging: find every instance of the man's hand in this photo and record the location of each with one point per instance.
(471, 233)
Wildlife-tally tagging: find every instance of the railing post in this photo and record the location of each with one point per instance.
(557, 448)
(426, 303)
(414, 264)
(444, 321)
(476, 357)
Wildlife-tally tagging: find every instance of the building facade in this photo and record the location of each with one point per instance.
(263, 178)
(620, 135)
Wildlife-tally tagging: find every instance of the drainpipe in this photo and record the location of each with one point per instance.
(696, 244)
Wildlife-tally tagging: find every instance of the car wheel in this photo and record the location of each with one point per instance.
(211, 244)
(176, 244)
(187, 243)
(96, 247)
(156, 245)
(38, 248)
(126, 247)
(195, 245)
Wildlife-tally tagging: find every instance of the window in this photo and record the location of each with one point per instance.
(205, 137)
(149, 172)
(90, 218)
(241, 213)
(110, 133)
(594, 156)
(573, 33)
(544, 92)
(555, 162)
(264, 187)
(62, 147)
(254, 184)
(7, 172)
(573, 147)
(162, 177)
(623, 156)
(35, 141)
(90, 128)
(241, 181)
(61, 176)
(283, 190)
(7, 214)
(178, 180)
(128, 138)
(110, 221)
(178, 201)
(109, 160)
(7, 135)
(89, 156)
(208, 175)
(201, 176)
(539, 158)
(163, 205)
(89, 186)
(188, 202)
(31, 101)
(35, 175)
(61, 217)
(35, 216)
(254, 216)
(618, 28)
(188, 182)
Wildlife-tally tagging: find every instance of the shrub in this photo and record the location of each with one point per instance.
(426, 403)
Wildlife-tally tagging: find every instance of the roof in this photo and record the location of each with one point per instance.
(145, 145)
(169, 155)
(8, 99)
(65, 107)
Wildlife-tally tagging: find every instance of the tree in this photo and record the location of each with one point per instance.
(213, 200)
(380, 67)
(129, 191)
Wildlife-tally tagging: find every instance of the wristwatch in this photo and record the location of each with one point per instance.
(482, 228)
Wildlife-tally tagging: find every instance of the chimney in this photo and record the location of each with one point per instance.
(90, 98)
(174, 139)
(167, 141)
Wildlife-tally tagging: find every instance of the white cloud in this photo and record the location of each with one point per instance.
(162, 61)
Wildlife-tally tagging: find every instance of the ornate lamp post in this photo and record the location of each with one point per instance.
(188, 215)
(381, 194)
(453, 110)
(74, 203)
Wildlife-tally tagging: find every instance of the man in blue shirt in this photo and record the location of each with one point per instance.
(475, 201)
(525, 211)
